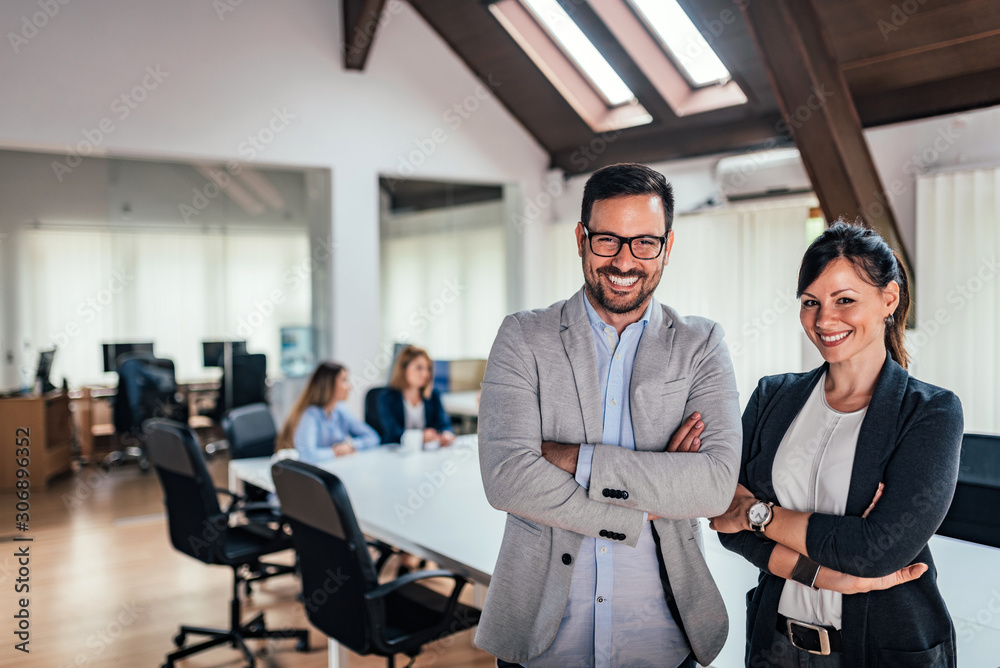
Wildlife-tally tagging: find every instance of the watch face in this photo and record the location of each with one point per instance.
(758, 513)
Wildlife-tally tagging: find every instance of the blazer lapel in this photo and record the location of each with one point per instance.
(777, 417)
(876, 441)
(652, 357)
(578, 341)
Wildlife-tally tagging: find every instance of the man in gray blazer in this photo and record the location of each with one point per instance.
(602, 559)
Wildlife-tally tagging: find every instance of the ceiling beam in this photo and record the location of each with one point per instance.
(819, 112)
(360, 21)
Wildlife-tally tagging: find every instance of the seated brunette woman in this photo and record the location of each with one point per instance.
(411, 402)
(320, 425)
(847, 472)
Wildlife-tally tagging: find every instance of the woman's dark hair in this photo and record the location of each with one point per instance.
(623, 179)
(875, 263)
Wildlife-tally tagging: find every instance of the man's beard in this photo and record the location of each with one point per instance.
(614, 303)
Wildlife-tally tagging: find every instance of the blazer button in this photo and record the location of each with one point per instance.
(604, 533)
(624, 495)
(567, 559)
(621, 536)
(618, 494)
(606, 492)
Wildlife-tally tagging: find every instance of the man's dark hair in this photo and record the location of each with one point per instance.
(623, 179)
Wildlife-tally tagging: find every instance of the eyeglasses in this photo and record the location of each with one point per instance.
(606, 244)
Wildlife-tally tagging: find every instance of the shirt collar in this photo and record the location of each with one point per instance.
(596, 321)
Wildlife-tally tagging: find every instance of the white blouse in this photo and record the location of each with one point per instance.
(413, 415)
(812, 473)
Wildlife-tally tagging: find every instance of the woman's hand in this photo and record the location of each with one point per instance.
(687, 437)
(852, 584)
(734, 520)
(447, 438)
(431, 435)
(878, 495)
(343, 448)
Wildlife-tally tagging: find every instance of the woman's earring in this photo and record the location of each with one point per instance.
(890, 320)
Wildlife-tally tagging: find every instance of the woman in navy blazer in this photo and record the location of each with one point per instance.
(854, 303)
(410, 388)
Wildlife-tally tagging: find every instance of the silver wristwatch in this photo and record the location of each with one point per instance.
(759, 515)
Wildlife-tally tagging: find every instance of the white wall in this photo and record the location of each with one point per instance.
(223, 79)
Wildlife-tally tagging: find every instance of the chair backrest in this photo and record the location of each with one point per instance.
(249, 381)
(972, 515)
(250, 430)
(371, 409)
(146, 389)
(195, 520)
(336, 566)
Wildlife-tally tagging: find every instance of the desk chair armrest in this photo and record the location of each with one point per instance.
(385, 551)
(389, 587)
(234, 499)
(382, 590)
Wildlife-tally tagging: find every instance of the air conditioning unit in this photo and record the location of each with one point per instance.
(762, 174)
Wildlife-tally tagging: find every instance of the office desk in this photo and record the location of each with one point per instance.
(413, 502)
(463, 407)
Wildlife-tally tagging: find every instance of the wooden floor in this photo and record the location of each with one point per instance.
(108, 589)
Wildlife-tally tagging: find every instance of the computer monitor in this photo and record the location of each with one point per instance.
(44, 368)
(112, 351)
(297, 354)
(214, 352)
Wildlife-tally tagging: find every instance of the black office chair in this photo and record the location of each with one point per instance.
(371, 409)
(200, 528)
(342, 595)
(147, 388)
(973, 512)
(247, 385)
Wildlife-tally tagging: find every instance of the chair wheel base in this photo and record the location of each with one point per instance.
(179, 639)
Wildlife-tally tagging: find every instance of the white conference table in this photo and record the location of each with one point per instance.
(432, 504)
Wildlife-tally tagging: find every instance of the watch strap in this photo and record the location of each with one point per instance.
(805, 571)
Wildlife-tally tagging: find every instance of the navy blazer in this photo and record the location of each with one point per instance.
(910, 439)
(391, 414)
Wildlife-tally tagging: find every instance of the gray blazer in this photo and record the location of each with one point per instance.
(541, 384)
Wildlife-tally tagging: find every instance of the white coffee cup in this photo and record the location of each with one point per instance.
(412, 440)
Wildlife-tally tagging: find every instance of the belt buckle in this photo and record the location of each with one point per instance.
(824, 637)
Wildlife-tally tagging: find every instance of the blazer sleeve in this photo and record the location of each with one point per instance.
(755, 549)
(390, 415)
(437, 417)
(680, 485)
(516, 477)
(920, 480)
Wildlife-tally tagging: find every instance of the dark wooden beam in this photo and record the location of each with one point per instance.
(656, 145)
(361, 20)
(819, 111)
(950, 96)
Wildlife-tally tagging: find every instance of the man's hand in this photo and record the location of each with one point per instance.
(687, 438)
(735, 520)
(562, 455)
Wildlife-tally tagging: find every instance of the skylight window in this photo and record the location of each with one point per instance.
(671, 24)
(571, 39)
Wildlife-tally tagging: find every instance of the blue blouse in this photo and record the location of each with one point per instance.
(317, 433)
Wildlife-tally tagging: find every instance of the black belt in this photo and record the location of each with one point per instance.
(810, 637)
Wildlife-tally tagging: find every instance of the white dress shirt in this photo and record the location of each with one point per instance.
(812, 473)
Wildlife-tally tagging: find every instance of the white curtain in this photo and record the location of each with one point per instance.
(445, 291)
(736, 266)
(955, 344)
(82, 288)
